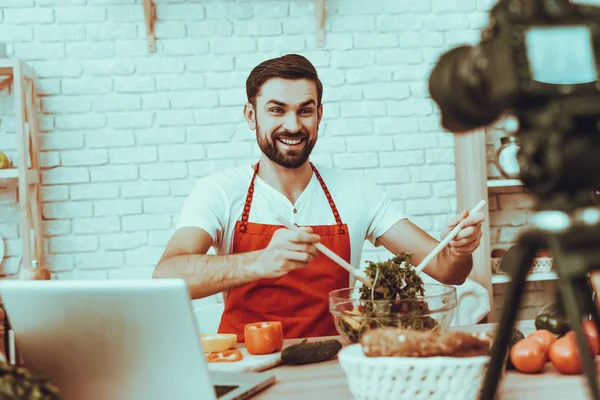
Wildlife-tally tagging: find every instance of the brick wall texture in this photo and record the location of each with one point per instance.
(126, 133)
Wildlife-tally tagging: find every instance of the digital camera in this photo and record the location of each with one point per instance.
(537, 60)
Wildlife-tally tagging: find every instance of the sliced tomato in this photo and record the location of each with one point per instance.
(263, 337)
(232, 355)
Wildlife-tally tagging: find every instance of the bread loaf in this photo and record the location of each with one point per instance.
(400, 342)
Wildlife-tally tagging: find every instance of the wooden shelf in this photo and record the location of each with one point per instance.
(9, 65)
(494, 183)
(5, 82)
(9, 173)
(542, 276)
(20, 79)
(472, 185)
(471, 176)
(13, 173)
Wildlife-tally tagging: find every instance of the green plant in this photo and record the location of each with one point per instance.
(22, 384)
(390, 302)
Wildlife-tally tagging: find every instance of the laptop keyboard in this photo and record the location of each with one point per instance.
(222, 390)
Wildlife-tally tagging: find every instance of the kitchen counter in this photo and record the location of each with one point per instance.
(328, 381)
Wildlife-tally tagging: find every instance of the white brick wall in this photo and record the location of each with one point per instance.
(126, 133)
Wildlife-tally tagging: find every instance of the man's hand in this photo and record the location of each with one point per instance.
(468, 238)
(287, 250)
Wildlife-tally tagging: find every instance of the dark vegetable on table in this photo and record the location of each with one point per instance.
(23, 384)
(310, 352)
(395, 281)
(552, 317)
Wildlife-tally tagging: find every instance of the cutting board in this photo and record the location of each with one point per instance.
(250, 363)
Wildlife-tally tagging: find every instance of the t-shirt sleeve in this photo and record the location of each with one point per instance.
(382, 212)
(205, 208)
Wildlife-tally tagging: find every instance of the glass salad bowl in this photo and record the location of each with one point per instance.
(354, 316)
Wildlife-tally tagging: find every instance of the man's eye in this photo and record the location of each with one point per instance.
(306, 111)
(276, 110)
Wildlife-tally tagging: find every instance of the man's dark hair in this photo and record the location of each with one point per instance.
(290, 66)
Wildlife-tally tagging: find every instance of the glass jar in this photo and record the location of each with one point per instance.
(506, 157)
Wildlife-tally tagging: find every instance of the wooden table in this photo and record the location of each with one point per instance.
(327, 380)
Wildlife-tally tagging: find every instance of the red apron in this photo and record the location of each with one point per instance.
(298, 299)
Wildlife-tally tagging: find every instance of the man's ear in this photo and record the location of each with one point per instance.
(319, 113)
(250, 116)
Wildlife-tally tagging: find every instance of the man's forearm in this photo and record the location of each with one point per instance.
(209, 274)
(456, 267)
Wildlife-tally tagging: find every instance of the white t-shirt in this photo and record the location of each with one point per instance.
(217, 201)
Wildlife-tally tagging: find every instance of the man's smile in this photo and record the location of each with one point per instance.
(291, 142)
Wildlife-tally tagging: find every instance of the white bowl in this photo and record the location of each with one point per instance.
(392, 378)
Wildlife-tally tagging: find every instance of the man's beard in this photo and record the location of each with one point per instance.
(290, 159)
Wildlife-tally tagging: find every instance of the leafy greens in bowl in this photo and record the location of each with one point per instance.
(398, 298)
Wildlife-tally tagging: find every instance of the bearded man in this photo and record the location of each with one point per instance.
(266, 271)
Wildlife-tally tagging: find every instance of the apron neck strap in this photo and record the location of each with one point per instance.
(250, 195)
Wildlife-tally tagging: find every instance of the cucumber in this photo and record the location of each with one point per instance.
(309, 353)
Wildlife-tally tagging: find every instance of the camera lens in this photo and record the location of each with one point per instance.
(460, 91)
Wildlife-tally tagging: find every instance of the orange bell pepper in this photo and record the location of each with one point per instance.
(263, 337)
(231, 355)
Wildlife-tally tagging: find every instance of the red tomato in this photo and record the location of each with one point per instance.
(545, 337)
(527, 355)
(590, 330)
(564, 355)
(591, 341)
(263, 337)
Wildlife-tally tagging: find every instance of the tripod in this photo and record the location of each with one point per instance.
(574, 242)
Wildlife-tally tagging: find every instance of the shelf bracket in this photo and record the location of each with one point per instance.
(5, 82)
(150, 17)
(320, 15)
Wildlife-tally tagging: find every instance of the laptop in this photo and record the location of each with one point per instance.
(118, 340)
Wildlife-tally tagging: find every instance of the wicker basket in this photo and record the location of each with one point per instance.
(540, 265)
(392, 378)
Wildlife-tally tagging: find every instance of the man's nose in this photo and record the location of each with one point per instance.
(291, 123)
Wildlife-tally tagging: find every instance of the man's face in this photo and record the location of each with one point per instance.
(286, 119)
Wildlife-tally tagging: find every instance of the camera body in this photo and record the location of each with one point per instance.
(537, 60)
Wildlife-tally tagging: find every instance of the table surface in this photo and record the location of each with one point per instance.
(327, 380)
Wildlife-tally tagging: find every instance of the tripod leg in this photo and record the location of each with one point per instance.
(518, 260)
(569, 298)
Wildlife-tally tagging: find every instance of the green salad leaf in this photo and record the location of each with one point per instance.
(390, 302)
